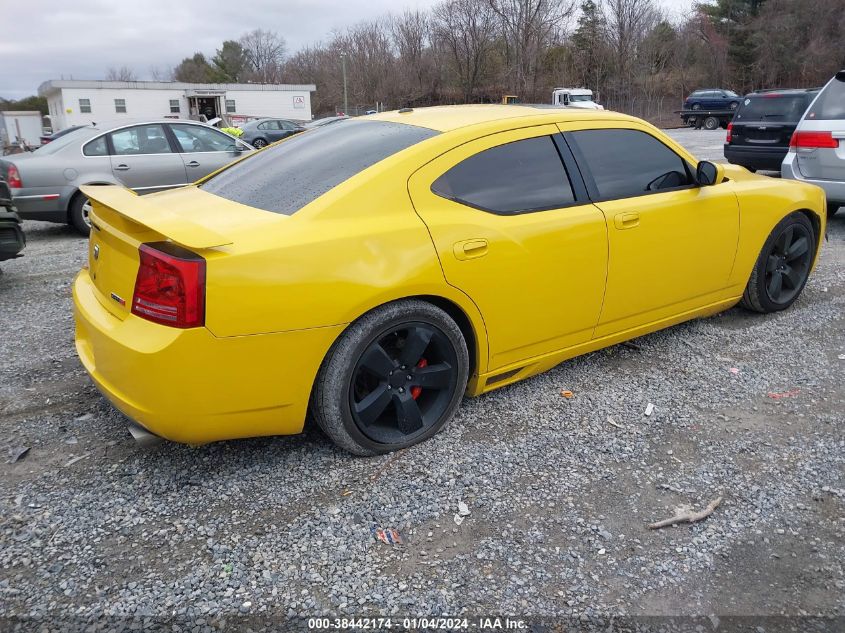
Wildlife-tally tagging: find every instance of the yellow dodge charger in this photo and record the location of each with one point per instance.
(376, 270)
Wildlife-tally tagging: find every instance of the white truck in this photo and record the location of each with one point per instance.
(20, 125)
(575, 98)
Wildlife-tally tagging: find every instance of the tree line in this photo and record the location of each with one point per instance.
(634, 56)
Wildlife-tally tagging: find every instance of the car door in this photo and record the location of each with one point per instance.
(672, 243)
(516, 234)
(143, 159)
(203, 149)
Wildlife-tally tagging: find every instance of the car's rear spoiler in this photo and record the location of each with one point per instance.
(146, 212)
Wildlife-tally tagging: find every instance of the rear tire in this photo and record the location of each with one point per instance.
(782, 269)
(80, 207)
(361, 398)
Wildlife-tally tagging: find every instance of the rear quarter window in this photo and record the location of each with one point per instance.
(830, 104)
(288, 176)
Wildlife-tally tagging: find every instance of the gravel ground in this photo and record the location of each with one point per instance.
(746, 407)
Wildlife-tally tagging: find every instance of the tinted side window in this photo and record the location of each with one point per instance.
(143, 139)
(830, 104)
(97, 147)
(195, 138)
(525, 175)
(627, 163)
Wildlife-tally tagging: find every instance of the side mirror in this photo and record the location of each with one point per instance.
(708, 173)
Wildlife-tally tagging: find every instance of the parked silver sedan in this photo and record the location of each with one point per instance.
(146, 157)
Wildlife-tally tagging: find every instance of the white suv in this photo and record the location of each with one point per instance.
(817, 149)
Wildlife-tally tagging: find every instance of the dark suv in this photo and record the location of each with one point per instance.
(712, 99)
(12, 239)
(758, 137)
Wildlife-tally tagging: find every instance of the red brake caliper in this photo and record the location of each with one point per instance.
(416, 391)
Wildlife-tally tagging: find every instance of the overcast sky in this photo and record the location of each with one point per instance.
(81, 39)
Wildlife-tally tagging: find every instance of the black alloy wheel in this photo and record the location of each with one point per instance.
(788, 264)
(392, 379)
(403, 383)
(783, 266)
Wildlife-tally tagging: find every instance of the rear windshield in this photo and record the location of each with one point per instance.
(831, 102)
(773, 107)
(285, 178)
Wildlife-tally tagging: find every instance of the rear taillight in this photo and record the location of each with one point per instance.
(170, 286)
(730, 129)
(13, 178)
(813, 140)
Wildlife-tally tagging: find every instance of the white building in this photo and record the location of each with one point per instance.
(73, 102)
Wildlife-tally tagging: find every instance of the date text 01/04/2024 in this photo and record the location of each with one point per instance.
(411, 624)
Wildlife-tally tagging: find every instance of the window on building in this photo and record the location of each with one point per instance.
(120, 106)
(85, 106)
(525, 175)
(174, 106)
(230, 105)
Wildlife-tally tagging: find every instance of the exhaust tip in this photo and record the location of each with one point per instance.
(142, 435)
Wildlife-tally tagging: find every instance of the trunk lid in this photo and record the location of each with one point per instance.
(199, 221)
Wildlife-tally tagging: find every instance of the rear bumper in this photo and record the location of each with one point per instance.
(42, 203)
(12, 239)
(834, 189)
(190, 386)
(755, 157)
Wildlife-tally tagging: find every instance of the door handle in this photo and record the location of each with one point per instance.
(122, 167)
(626, 220)
(470, 249)
(193, 163)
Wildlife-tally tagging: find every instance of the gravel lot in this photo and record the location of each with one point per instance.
(91, 524)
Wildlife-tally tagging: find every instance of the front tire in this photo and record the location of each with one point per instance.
(259, 143)
(80, 208)
(783, 266)
(393, 379)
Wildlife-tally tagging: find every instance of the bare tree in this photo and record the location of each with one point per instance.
(265, 52)
(529, 28)
(161, 74)
(466, 29)
(124, 73)
(411, 33)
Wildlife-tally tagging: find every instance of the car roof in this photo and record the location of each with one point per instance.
(446, 118)
(783, 91)
(113, 124)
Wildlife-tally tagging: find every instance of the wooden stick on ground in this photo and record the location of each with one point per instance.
(687, 517)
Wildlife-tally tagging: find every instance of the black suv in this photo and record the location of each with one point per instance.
(758, 136)
(12, 239)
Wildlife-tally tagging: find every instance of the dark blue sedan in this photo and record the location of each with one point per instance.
(712, 99)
